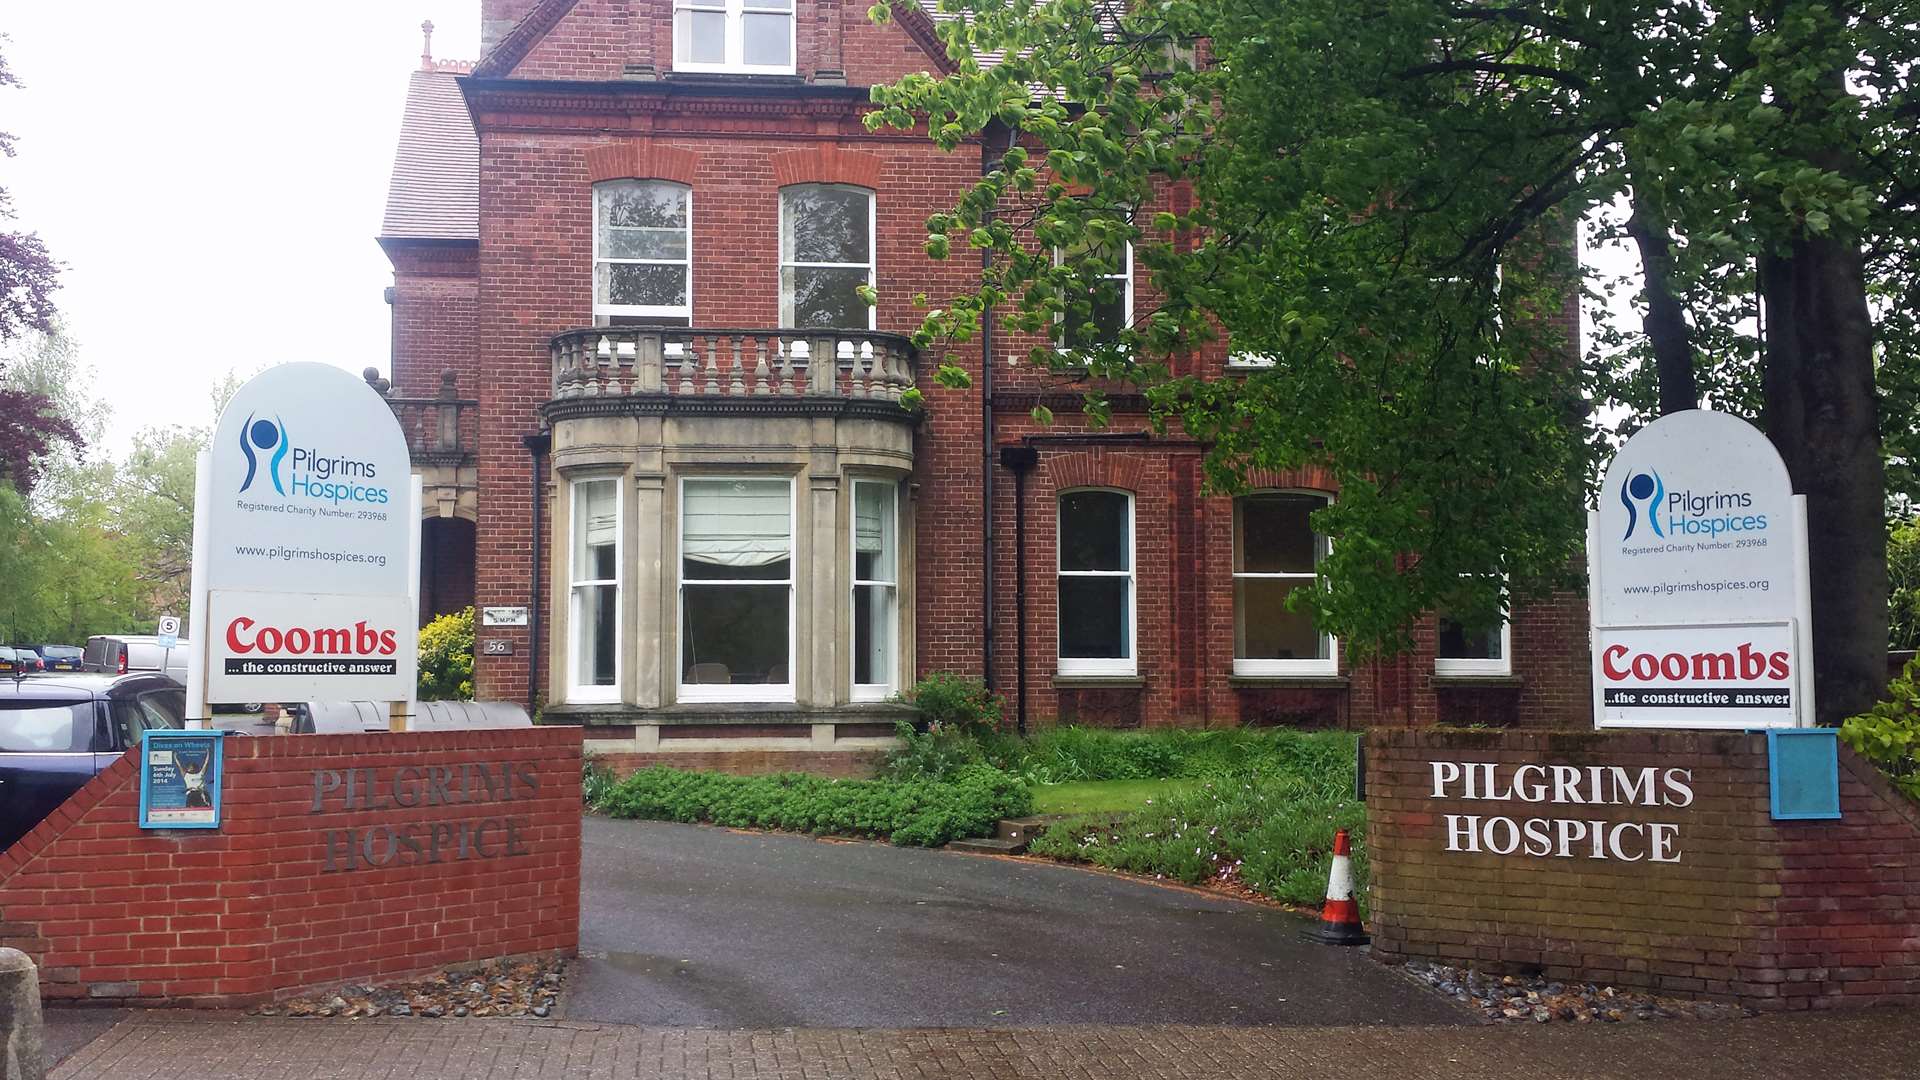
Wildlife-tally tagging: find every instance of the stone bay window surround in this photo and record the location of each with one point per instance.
(631, 245)
(735, 518)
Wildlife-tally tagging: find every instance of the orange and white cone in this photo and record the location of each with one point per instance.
(1340, 919)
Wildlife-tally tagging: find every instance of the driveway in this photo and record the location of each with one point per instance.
(688, 925)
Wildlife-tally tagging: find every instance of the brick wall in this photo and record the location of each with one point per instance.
(1773, 914)
(280, 897)
(844, 764)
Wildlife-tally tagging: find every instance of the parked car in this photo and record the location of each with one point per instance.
(120, 654)
(56, 731)
(60, 657)
(10, 663)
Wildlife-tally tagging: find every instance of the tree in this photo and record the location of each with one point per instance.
(28, 427)
(154, 497)
(1379, 199)
(1903, 571)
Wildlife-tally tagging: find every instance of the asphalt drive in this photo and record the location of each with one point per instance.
(689, 925)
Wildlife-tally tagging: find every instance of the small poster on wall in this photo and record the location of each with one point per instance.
(180, 779)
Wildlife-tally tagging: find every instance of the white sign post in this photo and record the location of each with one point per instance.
(305, 546)
(1697, 563)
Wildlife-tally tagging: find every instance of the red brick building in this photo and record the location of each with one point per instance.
(653, 413)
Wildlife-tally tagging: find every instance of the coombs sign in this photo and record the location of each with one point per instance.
(1698, 581)
(304, 572)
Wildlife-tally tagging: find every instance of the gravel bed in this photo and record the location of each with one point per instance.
(1510, 999)
(528, 988)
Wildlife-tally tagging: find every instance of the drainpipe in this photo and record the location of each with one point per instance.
(1020, 460)
(537, 445)
(986, 462)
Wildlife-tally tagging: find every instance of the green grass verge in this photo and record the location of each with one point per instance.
(1268, 825)
(1103, 796)
(921, 813)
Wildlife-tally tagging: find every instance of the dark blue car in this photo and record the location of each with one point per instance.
(56, 731)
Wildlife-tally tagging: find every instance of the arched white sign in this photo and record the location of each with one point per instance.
(1698, 581)
(303, 576)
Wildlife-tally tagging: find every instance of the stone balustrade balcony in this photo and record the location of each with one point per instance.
(693, 370)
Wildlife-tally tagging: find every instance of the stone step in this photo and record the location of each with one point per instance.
(1026, 828)
(989, 846)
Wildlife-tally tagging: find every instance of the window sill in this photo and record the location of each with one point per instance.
(1098, 682)
(733, 76)
(1462, 681)
(1290, 682)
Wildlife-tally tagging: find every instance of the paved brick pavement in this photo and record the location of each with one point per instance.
(201, 1046)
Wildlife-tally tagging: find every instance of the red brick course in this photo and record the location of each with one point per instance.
(262, 907)
(1771, 914)
(845, 764)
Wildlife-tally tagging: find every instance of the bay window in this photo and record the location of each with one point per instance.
(1096, 597)
(736, 589)
(749, 36)
(593, 623)
(826, 254)
(875, 587)
(1275, 552)
(642, 253)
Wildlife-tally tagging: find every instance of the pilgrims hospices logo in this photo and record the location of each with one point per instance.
(266, 435)
(310, 474)
(1646, 488)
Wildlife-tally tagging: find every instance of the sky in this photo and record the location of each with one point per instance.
(212, 175)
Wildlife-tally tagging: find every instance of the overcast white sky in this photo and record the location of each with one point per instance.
(212, 174)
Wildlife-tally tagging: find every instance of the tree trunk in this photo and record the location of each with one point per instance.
(1823, 415)
(1666, 321)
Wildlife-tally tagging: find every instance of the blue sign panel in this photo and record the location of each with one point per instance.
(180, 779)
(1804, 764)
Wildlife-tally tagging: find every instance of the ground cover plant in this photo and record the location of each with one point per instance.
(913, 812)
(1264, 822)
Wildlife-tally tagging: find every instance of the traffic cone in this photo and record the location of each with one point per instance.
(1340, 919)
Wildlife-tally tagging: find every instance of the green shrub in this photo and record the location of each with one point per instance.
(949, 702)
(936, 754)
(446, 658)
(1063, 754)
(1889, 734)
(921, 813)
(596, 781)
(1267, 825)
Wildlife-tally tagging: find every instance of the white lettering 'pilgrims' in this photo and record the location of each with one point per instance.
(1564, 838)
(1594, 785)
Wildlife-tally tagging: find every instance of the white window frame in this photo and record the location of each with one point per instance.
(575, 639)
(872, 265)
(873, 691)
(1270, 666)
(699, 692)
(604, 314)
(1126, 666)
(735, 12)
(1476, 665)
(1125, 276)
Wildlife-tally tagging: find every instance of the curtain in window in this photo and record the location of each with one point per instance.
(736, 522)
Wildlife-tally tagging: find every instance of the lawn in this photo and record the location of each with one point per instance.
(1103, 796)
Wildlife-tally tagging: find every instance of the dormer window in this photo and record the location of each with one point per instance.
(752, 37)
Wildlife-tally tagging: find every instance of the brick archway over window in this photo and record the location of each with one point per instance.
(1305, 478)
(826, 165)
(1096, 468)
(641, 159)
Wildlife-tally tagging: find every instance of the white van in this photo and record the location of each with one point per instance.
(117, 654)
